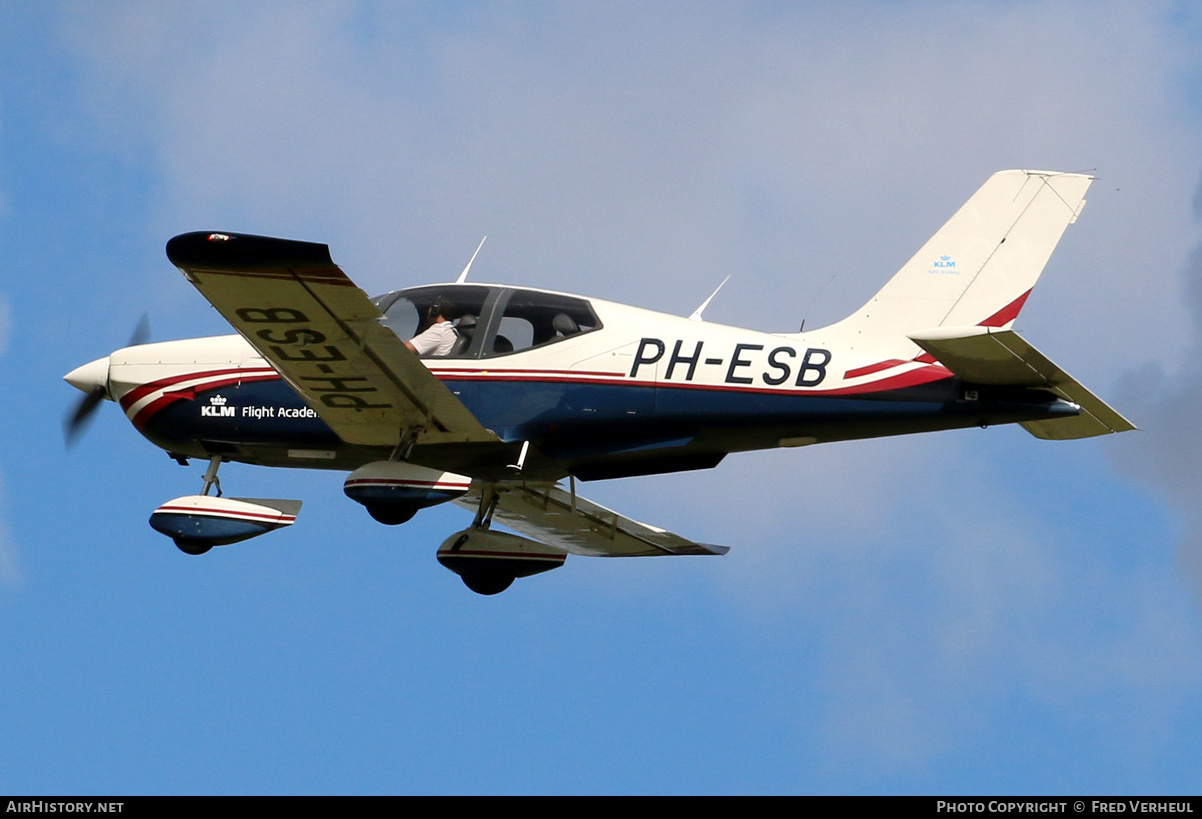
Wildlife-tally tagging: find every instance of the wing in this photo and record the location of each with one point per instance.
(548, 514)
(324, 336)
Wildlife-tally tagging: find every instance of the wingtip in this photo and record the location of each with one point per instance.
(243, 251)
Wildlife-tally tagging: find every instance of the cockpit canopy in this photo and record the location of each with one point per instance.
(490, 320)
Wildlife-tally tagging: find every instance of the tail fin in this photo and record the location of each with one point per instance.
(980, 267)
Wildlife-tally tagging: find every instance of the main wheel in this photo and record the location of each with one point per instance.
(392, 514)
(193, 547)
(487, 582)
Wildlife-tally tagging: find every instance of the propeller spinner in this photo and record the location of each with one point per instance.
(93, 380)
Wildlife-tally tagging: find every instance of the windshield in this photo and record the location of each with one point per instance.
(404, 311)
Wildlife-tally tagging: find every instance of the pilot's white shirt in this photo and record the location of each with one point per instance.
(437, 339)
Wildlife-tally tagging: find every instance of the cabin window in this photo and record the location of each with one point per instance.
(532, 319)
(490, 320)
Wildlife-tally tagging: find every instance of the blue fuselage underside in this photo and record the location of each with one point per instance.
(568, 419)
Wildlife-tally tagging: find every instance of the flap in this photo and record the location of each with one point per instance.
(552, 516)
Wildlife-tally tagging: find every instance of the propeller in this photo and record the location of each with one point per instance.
(92, 378)
(77, 421)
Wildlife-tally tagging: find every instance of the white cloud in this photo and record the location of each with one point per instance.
(1168, 450)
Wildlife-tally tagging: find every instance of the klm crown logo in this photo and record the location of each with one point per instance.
(217, 408)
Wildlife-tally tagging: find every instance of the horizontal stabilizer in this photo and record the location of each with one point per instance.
(995, 357)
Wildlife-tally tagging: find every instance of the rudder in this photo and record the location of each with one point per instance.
(978, 269)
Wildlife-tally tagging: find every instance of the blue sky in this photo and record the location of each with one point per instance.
(967, 612)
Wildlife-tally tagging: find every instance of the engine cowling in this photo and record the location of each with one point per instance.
(394, 491)
(489, 561)
(197, 523)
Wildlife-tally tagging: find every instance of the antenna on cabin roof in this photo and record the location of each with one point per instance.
(810, 306)
(463, 276)
(696, 316)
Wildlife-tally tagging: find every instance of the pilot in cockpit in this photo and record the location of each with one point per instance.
(439, 334)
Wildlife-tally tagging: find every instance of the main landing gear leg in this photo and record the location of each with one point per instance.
(211, 480)
(486, 580)
(404, 447)
(488, 505)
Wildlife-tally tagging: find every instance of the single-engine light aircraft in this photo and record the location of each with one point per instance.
(526, 391)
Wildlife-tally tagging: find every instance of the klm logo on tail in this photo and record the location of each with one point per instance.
(944, 264)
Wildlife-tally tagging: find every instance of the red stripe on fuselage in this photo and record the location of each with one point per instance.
(487, 372)
(921, 375)
(913, 378)
(142, 416)
(244, 373)
(874, 368)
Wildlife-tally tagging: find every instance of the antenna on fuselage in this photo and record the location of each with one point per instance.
(810, 306)
(696, 316)
(463, 276)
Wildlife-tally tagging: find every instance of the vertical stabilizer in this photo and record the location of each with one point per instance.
(980, 267)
